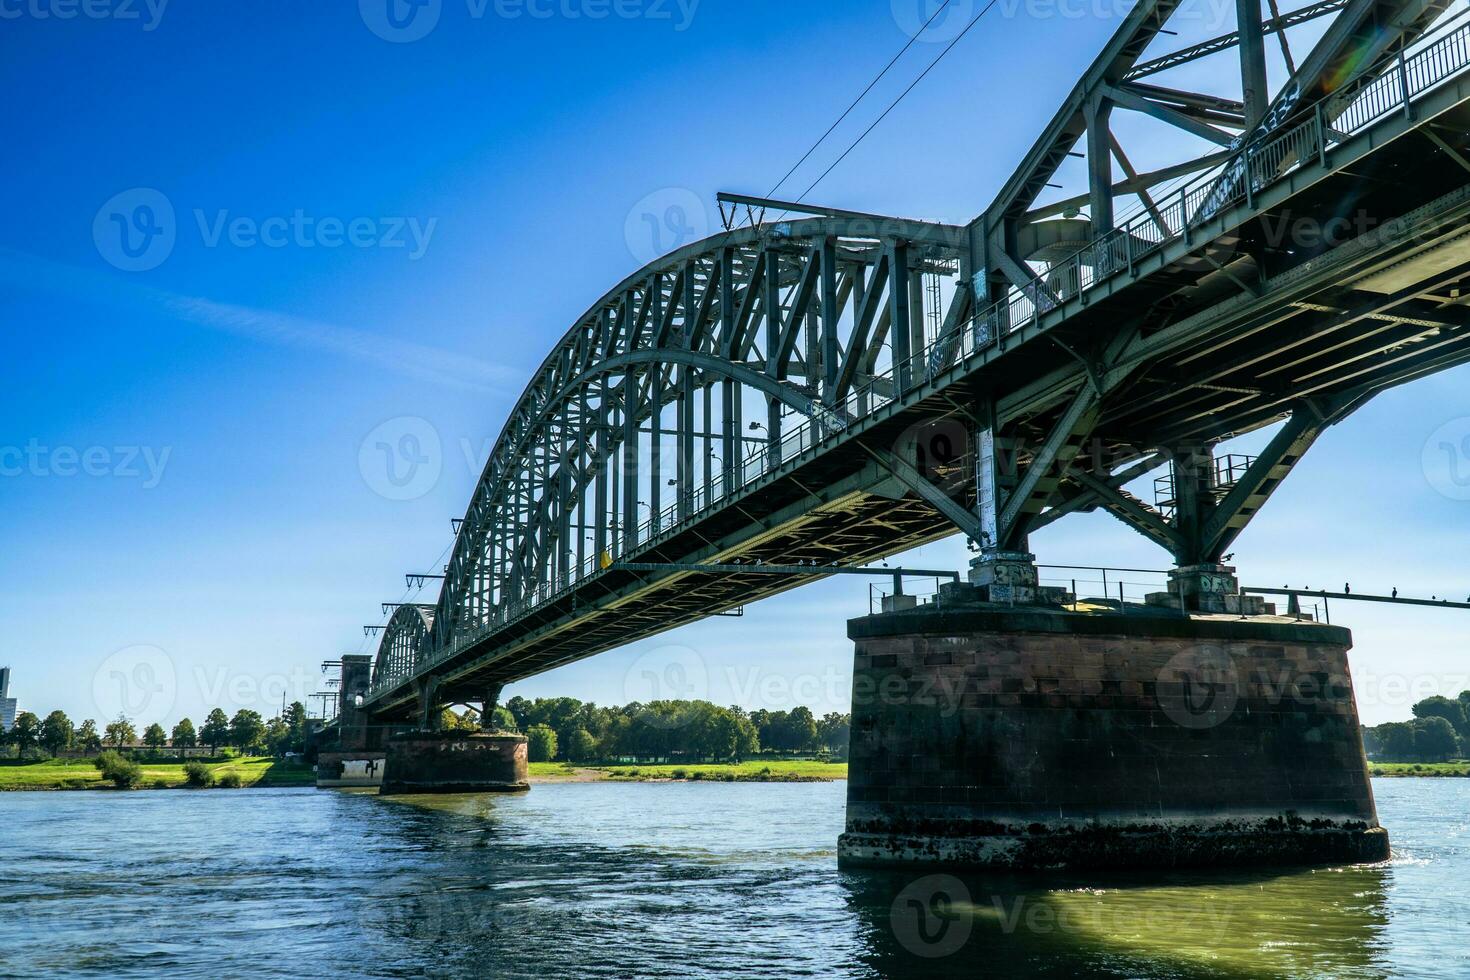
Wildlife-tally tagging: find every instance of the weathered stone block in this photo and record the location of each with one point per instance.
(1125, 741)
(456, 762)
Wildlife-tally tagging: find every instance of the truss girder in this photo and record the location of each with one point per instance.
(664, 421)
(645, 397)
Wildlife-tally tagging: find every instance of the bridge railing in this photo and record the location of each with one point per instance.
(1435, 60)
(1104, 590)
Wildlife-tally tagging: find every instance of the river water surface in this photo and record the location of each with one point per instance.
(666, 880)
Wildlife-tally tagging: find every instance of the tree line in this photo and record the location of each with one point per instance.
(568, 730)
(247, 732)
(1440, 730)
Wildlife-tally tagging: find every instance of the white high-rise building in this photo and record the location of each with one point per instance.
(7, 703)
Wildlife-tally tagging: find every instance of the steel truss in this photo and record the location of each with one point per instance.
(757, 395)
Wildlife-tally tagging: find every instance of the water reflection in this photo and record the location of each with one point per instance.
(1300, 923)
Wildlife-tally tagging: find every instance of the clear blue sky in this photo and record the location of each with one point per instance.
(183, 502)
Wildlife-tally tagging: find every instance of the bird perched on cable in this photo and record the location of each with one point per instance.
(1347, 588)
(1395, 592)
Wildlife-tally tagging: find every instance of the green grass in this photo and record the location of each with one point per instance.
(81, 774)
(799, 770)
(1458, 768)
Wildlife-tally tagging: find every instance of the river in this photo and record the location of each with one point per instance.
(666, 880)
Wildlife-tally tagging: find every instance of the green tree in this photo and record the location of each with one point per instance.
(198, 775)
(155, 737)
(541, 743)
(1395, 740)
(295, 719)
(1435, 739)
(581, 747)
(216, 731)
(520, 710)
(247, 730)
(26, 732)
(87, 736)
(56, 732)
(278, 736)
(123, 773)
(834, 730)
(504, 720)
(747, 740)
(451, 721)
(799, 734)
(1442, 707)
(121, 732)
(184, 736)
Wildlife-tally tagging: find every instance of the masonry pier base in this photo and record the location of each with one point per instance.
(455, 762)
(1035, 737)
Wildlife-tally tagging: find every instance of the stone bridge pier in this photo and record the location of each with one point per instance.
(1022, 735)
(432, 760)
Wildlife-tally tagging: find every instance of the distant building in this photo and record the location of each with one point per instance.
(7, 703)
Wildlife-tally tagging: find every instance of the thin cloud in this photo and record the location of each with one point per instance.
(422, 362)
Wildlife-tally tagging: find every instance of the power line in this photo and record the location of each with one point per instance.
(960, 37)
(848, 111)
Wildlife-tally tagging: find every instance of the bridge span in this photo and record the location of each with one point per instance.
(835, 387)
(816, 388)
(840, 387)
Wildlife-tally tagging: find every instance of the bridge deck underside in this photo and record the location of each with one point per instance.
(1229, 337)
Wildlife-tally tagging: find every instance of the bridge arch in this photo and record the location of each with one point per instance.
(685, 380)
(403, 642)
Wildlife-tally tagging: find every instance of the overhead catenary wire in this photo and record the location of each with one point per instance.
(895, 103)
(863, 95)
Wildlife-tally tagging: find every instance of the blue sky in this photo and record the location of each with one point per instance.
(367, 230)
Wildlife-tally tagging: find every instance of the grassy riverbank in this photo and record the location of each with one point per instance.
(784, 771)
(1460, 767)
(61, 774)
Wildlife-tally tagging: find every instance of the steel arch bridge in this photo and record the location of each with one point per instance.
(845, 386)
